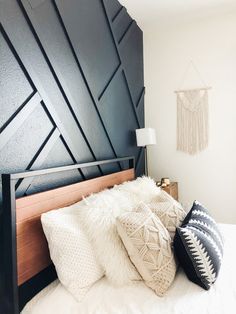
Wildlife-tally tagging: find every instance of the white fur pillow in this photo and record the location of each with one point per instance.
(149, 246)
(71, 251)
(98, 217)
(143, 189)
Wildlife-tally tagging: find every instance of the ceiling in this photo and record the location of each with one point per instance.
(171, 11)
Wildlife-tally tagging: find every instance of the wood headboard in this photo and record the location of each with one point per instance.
(26, 254)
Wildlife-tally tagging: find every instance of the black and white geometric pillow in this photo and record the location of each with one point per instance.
(198, 246)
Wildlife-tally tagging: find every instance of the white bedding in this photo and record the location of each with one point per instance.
(183, 297)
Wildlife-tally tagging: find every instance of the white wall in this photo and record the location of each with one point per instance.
(209, 176)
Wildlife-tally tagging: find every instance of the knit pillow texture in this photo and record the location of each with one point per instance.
(168, 210)
(71, 252)
(149, 246)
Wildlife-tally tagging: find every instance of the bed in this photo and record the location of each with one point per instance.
(30, 279)
(182, 298)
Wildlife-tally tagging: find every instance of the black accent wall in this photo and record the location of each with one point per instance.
(71, 87)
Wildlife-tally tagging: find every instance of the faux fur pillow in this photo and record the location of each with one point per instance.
(143, 189)
(97, 214)
(168, 210)
(149, 246)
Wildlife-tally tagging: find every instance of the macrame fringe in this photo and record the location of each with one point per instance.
(192, 121)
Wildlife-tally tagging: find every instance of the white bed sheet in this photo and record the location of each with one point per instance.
(183, 297)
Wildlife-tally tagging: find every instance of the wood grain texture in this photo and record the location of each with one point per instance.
(32, 249)
(172, 189)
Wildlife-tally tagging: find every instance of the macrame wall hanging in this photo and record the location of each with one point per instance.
(192, 117)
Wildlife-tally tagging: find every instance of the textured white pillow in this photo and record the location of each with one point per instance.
(71, 251)
(149, 246)
(143, 189)
(98, 218)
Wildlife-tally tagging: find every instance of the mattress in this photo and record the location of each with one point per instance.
(183, 297)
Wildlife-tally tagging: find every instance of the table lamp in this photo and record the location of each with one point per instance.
(145, 137)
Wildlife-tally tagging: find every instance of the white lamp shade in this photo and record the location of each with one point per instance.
(145, 137)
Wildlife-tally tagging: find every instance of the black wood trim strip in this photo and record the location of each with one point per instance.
(108, 83)
(132, 101)
(44, 150)
(62, 138)
(57, 80)
(72, 157)
(118, 53)
(127, 33)
(19, 119)
(83, 75)
(122, 9)
(68, 148)
(111, 30)
(5, 36)
(127, 30)
(140, 97)
(35, 3)
(39, 158)
(16, 112)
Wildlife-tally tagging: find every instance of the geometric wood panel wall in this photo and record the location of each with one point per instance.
(71, 87)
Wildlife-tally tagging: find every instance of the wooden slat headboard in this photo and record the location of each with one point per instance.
(26, 253)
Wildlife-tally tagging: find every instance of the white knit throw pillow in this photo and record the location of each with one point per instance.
(149, 246)
(71, 252)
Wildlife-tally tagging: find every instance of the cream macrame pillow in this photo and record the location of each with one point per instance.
(168, 210)
(149, 246)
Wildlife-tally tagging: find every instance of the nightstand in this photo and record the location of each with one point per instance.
(172, 189)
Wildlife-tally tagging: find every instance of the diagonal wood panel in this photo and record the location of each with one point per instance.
(72, 74)
(26, 108)
(48, 89)
(116, 41)
(71, 41)
(19, 119)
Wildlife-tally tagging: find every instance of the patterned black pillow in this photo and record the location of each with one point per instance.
(199, 246)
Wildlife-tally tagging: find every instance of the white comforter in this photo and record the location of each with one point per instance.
(183, 297)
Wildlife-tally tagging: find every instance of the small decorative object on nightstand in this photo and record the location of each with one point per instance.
(171, 188)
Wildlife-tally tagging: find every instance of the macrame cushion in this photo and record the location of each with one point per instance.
(199, 246)
(149, 246)
(168, 210)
